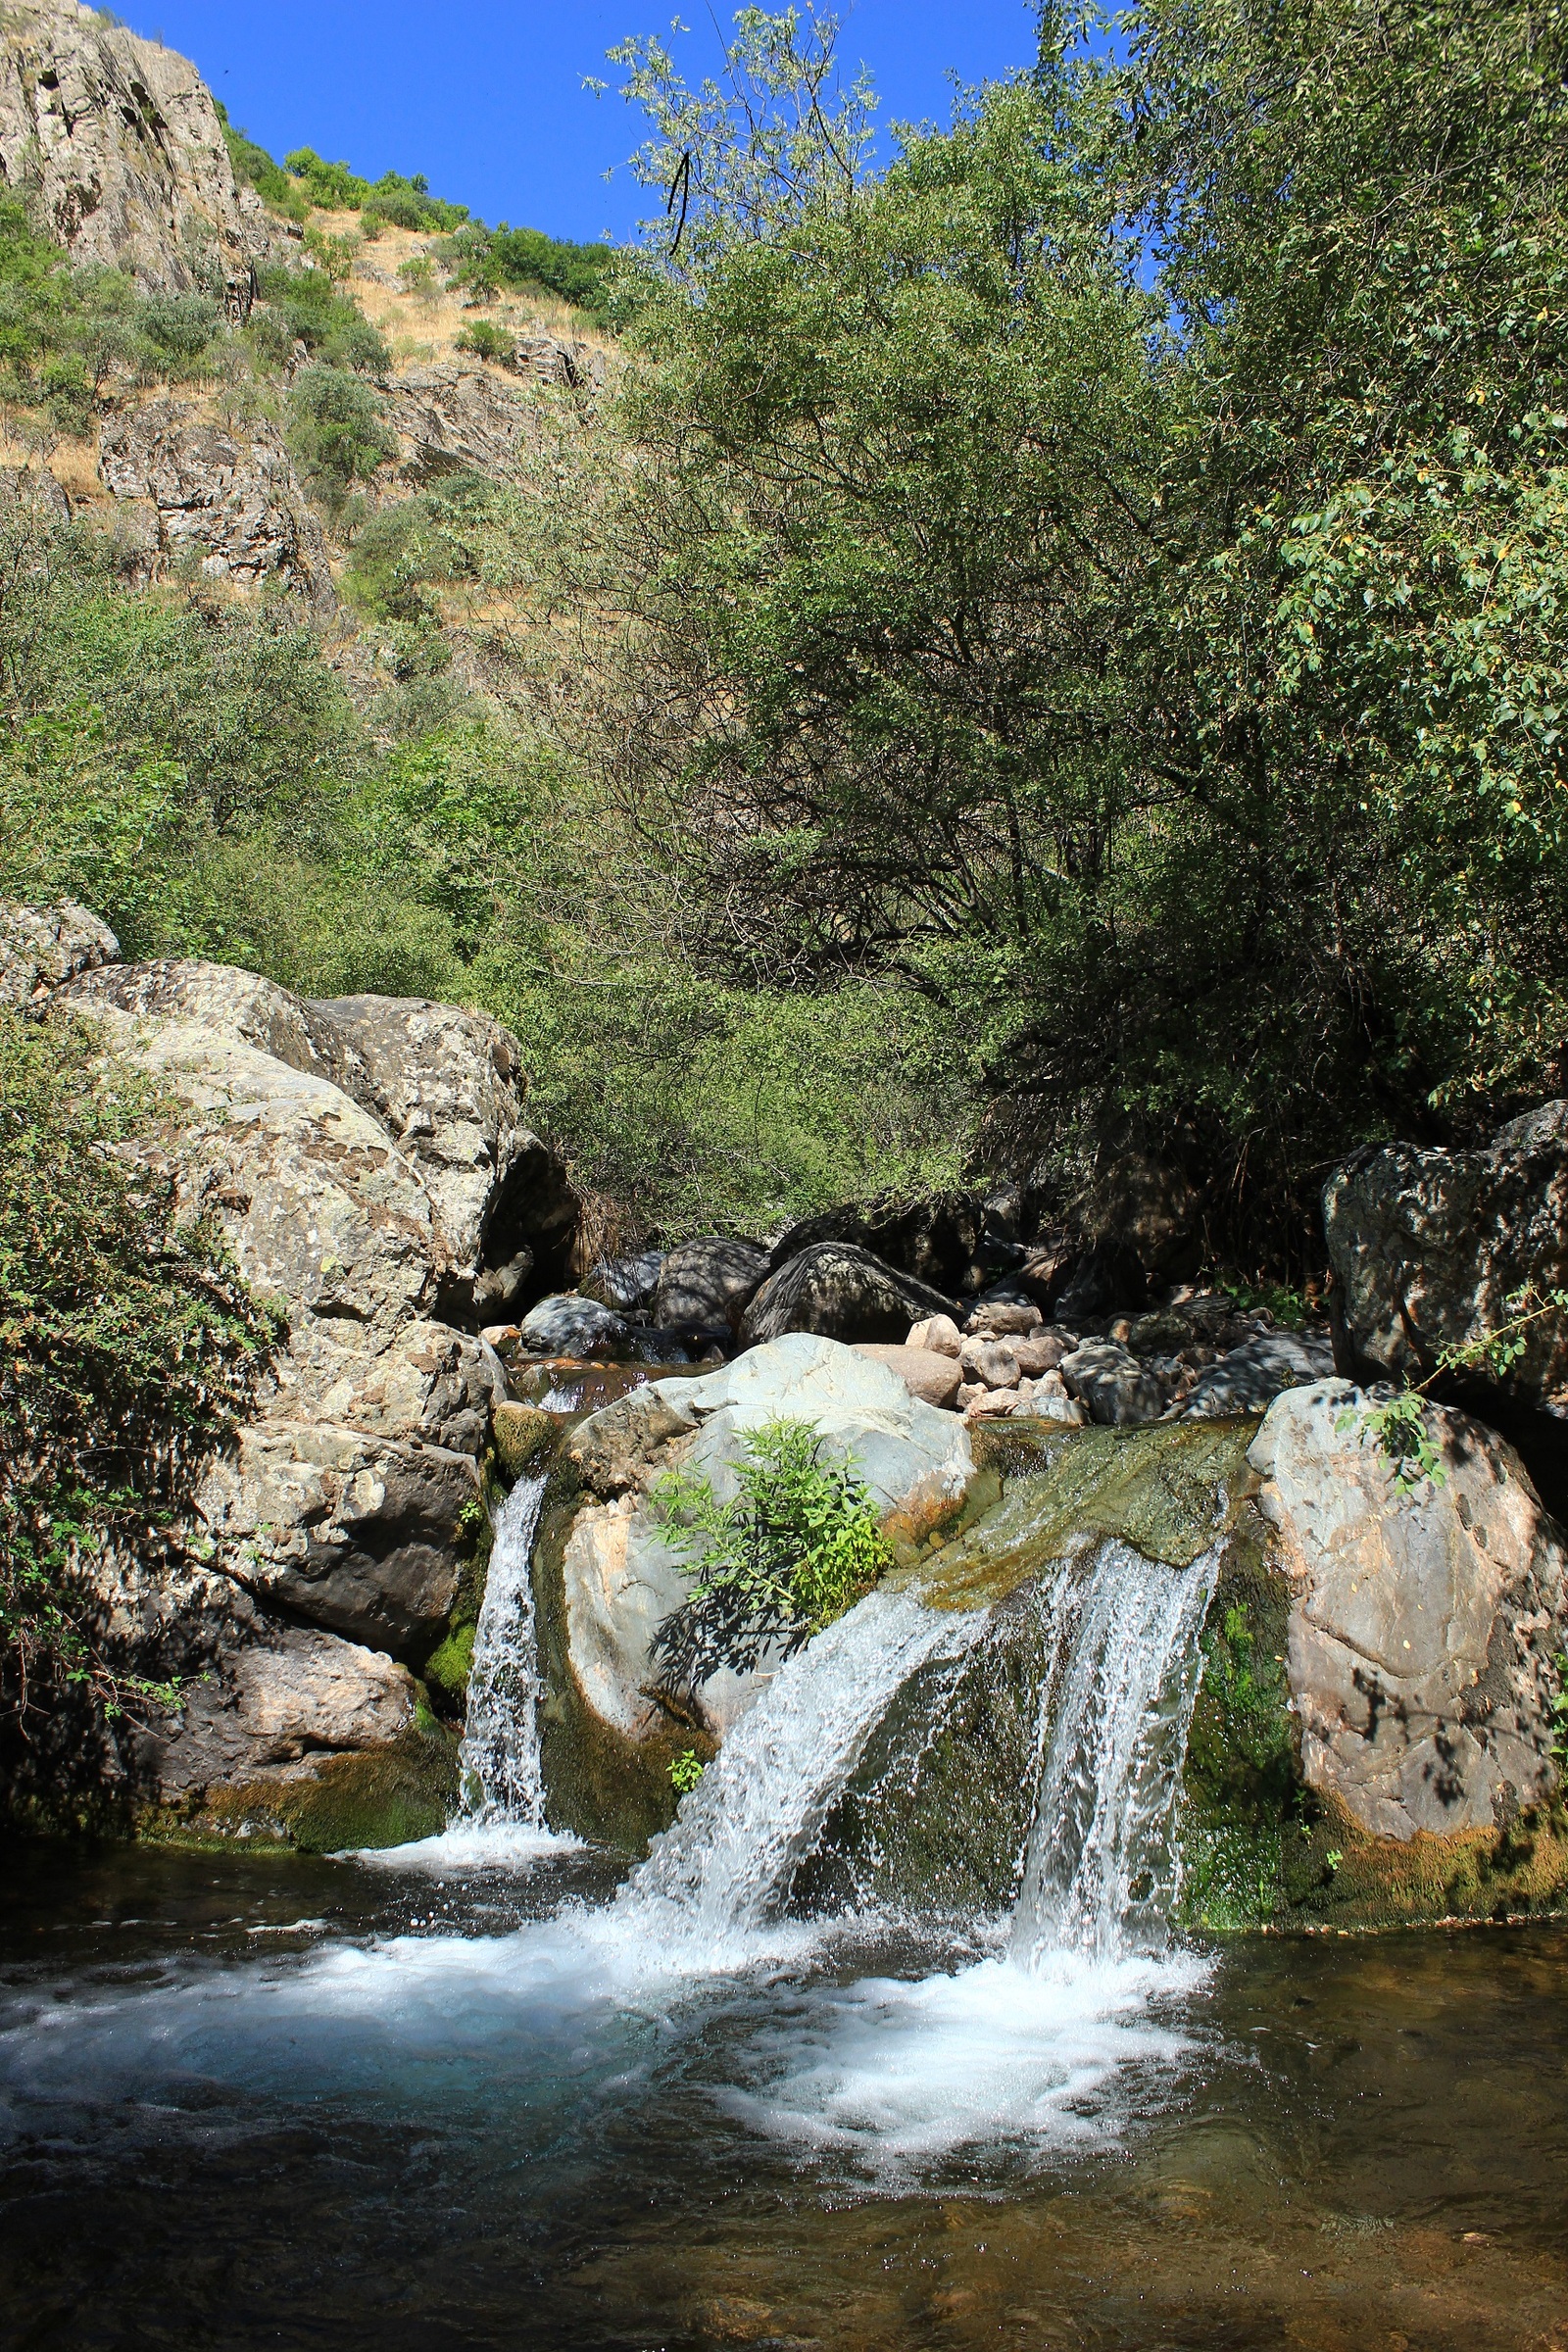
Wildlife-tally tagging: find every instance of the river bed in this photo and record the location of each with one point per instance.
(251, 2101)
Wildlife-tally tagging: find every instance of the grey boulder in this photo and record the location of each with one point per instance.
(1109, 1380)
(622, 1580)
(1424, 1626)
(568, 1324)
(707, 1283)
(1428, 1247)
(840, 1293)
(1250, 1376)
(42, 947)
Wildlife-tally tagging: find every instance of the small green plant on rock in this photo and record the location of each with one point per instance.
(797, 1545)
(1398, 1424)
(685, 1771)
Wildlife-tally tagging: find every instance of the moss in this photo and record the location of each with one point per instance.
(383, 1796)
(448, 1669)
(1157, 1488)
(525, 1438)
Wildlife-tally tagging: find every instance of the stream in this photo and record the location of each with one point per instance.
(493, 2091)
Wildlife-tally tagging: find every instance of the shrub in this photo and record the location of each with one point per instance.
(488, 342)
(338, 432)
(253, 165)
(130, 1349)
(799, 1544)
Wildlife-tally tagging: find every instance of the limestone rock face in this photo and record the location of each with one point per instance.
(452, 419)
(121, 140)
(1429, 1247)
(842, 1293)
(621, 1579)
(41, 946)
(229, 500)
(1423, 1626)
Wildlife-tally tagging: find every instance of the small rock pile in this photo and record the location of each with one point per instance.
(1197, 1359)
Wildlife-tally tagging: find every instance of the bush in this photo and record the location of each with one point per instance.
(303, 306)
(338, 432)
(129, 1350)
(253, 165)
(799, 1546)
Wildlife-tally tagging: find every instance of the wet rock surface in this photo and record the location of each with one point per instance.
(620, 1578)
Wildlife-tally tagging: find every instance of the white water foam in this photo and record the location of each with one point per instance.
(712, 1882)
(1042, 2048)
(498, 1762)
(502, 1823)
(1101, 1874)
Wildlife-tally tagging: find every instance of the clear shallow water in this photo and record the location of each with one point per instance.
(250, 2101)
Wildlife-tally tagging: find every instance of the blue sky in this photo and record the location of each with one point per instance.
(485, 96)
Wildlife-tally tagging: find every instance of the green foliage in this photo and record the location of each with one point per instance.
(685, 1771)
(798, 1545)
(1167, 682)
(337, 432)
(303, 306)
(128, 1350)
(63, 331)
(407, 203)
(488, 342)
(1397, 1424)
(257, 169)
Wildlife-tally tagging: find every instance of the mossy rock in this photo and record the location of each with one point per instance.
(380, 1796)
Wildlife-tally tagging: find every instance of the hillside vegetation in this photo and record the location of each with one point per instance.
(1052, 651)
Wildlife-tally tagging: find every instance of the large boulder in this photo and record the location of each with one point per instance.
(620, 1578)
(444, 1084)
(1252, 1376)
(934, 1238)
(1429, 1248)
(841, 1293)
(1110, 1380)
(1425, 1620)
(42, 947)
(707, 1283)
(568, 1324)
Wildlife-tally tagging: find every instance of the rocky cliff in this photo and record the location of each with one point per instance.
(117, 144)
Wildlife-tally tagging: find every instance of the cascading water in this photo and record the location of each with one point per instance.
(498, 1763)
(1101, 1871)
(713, 1878)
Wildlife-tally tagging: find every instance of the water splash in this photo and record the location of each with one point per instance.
(498, 1764)
(1100, 1872)
(711, 1880)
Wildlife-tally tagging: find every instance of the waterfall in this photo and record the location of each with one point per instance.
(498, 1763)
(727, 1862)
(1100, 1870)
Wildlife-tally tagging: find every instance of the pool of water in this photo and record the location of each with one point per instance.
(251, 2101)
